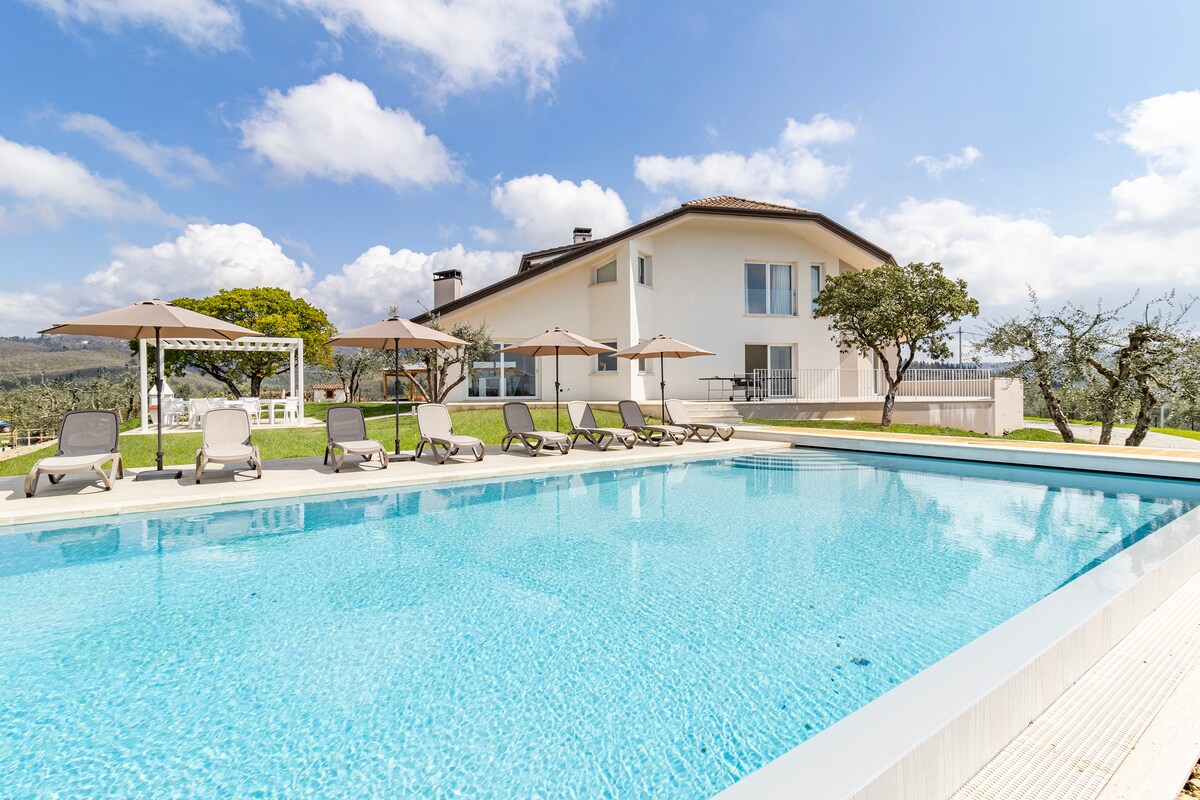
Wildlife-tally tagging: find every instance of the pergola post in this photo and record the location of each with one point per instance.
(145, 401)
(300, 376)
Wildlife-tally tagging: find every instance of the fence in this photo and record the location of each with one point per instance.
(924, 383)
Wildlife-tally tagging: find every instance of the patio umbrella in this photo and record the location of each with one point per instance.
(396, 334)
(153, 319)
(559, 342)
(663, 347)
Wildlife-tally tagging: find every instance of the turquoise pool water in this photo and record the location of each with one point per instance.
(651, 632)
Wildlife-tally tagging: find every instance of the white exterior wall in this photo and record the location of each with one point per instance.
(697, 296)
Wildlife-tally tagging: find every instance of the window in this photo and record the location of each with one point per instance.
(606, 362)
(505, 375)
(769, 289)
(816, 285)
(607, 273)
(643, 271)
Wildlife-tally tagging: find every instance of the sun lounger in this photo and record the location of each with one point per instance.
(583, 423)
(632, 418)
(519, 421)
(433, 421)
(677, 413)
(87, 440)
(227, 441)
(346, 435)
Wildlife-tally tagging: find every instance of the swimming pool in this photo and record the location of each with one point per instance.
(658, 631)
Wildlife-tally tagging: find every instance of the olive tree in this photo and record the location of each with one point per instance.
(894, 313)
(446, 368)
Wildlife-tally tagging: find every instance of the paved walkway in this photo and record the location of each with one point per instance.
(1091, 433)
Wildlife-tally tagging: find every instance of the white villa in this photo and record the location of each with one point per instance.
(734, 276)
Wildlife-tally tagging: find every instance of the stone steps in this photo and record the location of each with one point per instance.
(713, 413)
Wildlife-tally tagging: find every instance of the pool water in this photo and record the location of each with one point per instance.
(649, 632)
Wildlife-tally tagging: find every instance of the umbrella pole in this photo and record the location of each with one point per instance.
(556, 389)
(662, 387)
(396, 391)
(158, 472)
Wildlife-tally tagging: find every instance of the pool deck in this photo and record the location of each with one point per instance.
(78, 497)
(1128, 722)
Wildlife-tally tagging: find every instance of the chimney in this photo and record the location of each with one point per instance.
(447, 287)
(580, 235)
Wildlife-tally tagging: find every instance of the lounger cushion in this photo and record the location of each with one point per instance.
(461, 441)
(54, 464)
(359, 446)
(229, 453)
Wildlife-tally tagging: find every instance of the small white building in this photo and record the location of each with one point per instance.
(328, 392)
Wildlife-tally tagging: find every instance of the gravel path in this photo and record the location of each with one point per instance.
(1091, 433)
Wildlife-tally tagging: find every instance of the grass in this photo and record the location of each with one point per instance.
(318, 411)
(180, 448)
(1025, 434)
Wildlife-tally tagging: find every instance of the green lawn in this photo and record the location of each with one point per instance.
(319, 410)
(180, 448)
(1025, 434)
(1184, 432)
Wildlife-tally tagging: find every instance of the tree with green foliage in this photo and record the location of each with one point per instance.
(893, 313)
(1050, 350)
(353, 364)
(271, 312)
(447, 368)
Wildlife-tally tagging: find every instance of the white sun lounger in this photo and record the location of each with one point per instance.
(87, 440)
(346, 435)
(433, 421)
(227, 441)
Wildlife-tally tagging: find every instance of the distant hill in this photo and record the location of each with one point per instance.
(60, 356)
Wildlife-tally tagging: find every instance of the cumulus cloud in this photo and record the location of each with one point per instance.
(336, 129)
(544, 210)
(177, 165)
(202, 24)
(26, 312)
(365, 289)
(791, 170)
(936, 166)
(1151, 241)
(201, 261)
(38, 189)
(465, 44)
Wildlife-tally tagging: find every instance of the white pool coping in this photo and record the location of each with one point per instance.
(928, 736)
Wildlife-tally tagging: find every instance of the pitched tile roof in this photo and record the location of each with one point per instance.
(739, 204)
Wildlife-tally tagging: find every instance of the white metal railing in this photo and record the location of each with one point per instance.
(868, 384)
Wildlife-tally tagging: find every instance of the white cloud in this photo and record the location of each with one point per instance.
(365, 289)
(203, 24)
(544, 210)
(936, 166)
(336, 129)
(1152, 240)
(26, 312)
(201, 261)
(465, 44)
(39, 188)
(790, 170)
(177, 165)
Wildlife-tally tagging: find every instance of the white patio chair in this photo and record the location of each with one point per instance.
(227, 441)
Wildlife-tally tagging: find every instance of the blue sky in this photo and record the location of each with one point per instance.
(346, 148)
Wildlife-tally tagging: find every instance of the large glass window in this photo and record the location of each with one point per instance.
(504, 375)
(815, 272)
(769, 289)
(607, 273)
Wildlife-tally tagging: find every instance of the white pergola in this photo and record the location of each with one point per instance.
(249, 344)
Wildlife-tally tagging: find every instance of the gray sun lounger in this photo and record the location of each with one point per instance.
(583, 423)
(227, 441)
(677, 413)
(632, 418)
(87, 440)
(518, 419)
(346, 435)
(433, 421)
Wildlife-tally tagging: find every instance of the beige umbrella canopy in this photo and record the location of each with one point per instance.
(558, 342)
(663, 347)
(397, 334)
(153, 319)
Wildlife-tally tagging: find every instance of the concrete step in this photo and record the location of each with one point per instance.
(713, 413)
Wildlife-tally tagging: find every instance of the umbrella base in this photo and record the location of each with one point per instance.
(402, 457)
(159, 475)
